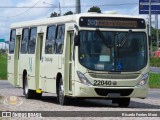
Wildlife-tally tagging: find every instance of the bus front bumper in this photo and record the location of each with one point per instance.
(110, 92)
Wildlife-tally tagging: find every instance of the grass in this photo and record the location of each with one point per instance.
(3, 66)
(155, 62)
(154, 80)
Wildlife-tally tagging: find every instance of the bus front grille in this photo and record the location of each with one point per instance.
(104, 92)
(114, 76)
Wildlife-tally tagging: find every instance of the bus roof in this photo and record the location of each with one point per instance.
(68, 18)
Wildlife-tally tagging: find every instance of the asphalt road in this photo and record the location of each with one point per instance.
(155, 69)
(48, 103)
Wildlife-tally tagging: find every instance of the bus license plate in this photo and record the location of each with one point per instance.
(113, 94)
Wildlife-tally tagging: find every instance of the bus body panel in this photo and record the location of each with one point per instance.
(10, 66)
(23, 65)
(50, 67)
(31, 72)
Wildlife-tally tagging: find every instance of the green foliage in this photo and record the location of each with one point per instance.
(154, 80)
(57, 14)
(95, 9)
(154, 48)
(69, 13)
(54, 14)
(3, 66)
(155, 62)
(154, 34)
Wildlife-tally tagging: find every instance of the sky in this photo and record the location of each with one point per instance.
(36, 9)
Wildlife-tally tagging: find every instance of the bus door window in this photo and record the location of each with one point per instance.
(32, 40)
(41, 45)
(25, 38)
(71, 46)
(12, 41)
(60, 39)
(50, 40)
(19, 41)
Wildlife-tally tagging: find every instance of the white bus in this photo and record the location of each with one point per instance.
(85, 55)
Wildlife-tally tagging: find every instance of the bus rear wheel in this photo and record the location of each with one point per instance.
(123, 102)
(61, 98)
(27, 92)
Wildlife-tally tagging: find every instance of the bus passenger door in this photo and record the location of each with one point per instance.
(13, 58)
(38, 60)
(69, 66)
(10, 65)
(16, 59)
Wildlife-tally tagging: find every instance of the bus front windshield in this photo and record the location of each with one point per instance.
(113, 51)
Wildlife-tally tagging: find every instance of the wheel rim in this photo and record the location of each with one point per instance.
(26, 85)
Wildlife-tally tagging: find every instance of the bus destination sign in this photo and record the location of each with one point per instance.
(121, 23)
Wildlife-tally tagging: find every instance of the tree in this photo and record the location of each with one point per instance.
(54, 14)
(69, 13)
(154, 34)
(95, 9)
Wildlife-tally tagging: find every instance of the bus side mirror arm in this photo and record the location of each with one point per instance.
(76, 37)
(76, 40)
(149, 40)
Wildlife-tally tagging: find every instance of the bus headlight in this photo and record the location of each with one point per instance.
(143, 80)
(83, 79)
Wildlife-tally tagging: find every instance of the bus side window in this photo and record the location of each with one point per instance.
(24, 43)
(12, 41)
(32, 40)
(50, 40)
(60, 39)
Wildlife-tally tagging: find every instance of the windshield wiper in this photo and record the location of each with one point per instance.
(122, 43)
(100, 34)
(102, 37)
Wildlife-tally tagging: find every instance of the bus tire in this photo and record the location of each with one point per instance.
(123, 102)
(62, 99)
(27, 92)
(38, 96)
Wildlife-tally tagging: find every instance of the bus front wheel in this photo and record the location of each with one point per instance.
(62, 99)
(123, 102)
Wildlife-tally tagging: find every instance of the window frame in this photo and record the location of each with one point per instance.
(29, 39)
(47, 37)
(59, 39)
(22, 38)
(13, 42)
